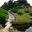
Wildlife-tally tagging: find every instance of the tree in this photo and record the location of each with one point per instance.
(2, 21)
(22, 1)
(14, 10)
(14, 5)
(5, 6)
(10, 4)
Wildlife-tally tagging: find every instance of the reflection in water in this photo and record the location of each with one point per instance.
(29, 29)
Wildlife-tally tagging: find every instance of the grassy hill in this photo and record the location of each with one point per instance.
(25, 17)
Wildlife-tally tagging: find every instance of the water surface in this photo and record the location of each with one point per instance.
(29, 29)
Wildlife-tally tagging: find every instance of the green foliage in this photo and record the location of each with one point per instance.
(19, 13)
(11, 5)
(3, 12)
(15, 7)
(14, 11)
(25, 17)
(30, 14)
(22, 2)
(5, 6)
(26, 11)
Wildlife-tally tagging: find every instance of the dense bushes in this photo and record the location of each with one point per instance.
(20, 13)
(30, 14)
(22, 27)
(3, 14)
(2, 21)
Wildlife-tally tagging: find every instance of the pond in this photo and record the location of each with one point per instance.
(29, 29)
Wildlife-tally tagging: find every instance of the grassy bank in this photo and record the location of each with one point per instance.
(25, 17)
